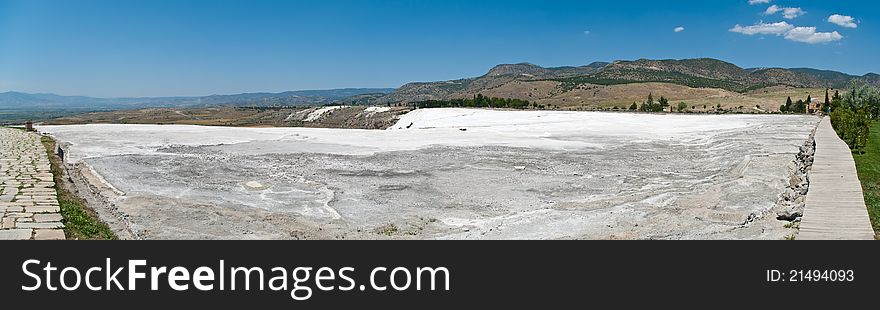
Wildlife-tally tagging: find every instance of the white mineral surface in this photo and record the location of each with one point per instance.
(508, 175)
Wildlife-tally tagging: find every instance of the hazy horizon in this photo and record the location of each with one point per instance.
(186, 96)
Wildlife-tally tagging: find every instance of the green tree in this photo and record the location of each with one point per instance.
(826, 103)
(800, 106)
(836, 102)
(865, 99)
(649, 106)
(634, 106)
(852, 127)
(664, 103)
(682, 106)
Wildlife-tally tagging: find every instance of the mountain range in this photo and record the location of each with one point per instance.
(598, 82)
(531, 82)
(25, 101)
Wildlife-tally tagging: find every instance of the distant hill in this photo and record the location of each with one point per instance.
(25, 101)
(290, 98)
(496, 77)
(531, 82)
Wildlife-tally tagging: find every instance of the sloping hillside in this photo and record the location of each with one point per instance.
(591, 84)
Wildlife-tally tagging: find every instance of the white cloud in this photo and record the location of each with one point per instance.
(792, 13)
(678, 29)
(778, 29)
(797, 34)
(788, 13)
(754, 2)
(587, 32)
(809, 35)
(773, 9)
(843, 21)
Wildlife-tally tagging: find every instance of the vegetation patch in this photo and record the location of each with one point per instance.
(629, 76)
(479, 101)
(851, 115)
(868, 166)
(854, 117)
(80, 221)
(388, 230)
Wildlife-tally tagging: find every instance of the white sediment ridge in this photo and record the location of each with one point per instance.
(316, 115)
(453, 173)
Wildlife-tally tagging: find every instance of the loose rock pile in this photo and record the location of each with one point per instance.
(793, 200)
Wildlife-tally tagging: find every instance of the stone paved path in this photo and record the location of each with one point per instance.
(28, 202)
(835, 207)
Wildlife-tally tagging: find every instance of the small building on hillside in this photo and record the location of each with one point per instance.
(814, 107)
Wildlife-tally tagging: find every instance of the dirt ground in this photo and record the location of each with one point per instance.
(453, 174)
(360, 117)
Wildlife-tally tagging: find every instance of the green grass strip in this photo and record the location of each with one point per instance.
(80, 221)
(868, 166)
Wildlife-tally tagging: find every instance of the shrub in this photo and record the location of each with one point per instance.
(851, 127)
(682, 106)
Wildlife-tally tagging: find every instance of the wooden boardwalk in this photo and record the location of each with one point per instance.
(835, 206)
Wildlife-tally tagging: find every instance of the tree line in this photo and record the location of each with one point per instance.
(651, 106)
(800, 106)
(852, 114)
(479, 101)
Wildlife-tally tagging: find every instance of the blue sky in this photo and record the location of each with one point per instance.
(168, 48)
